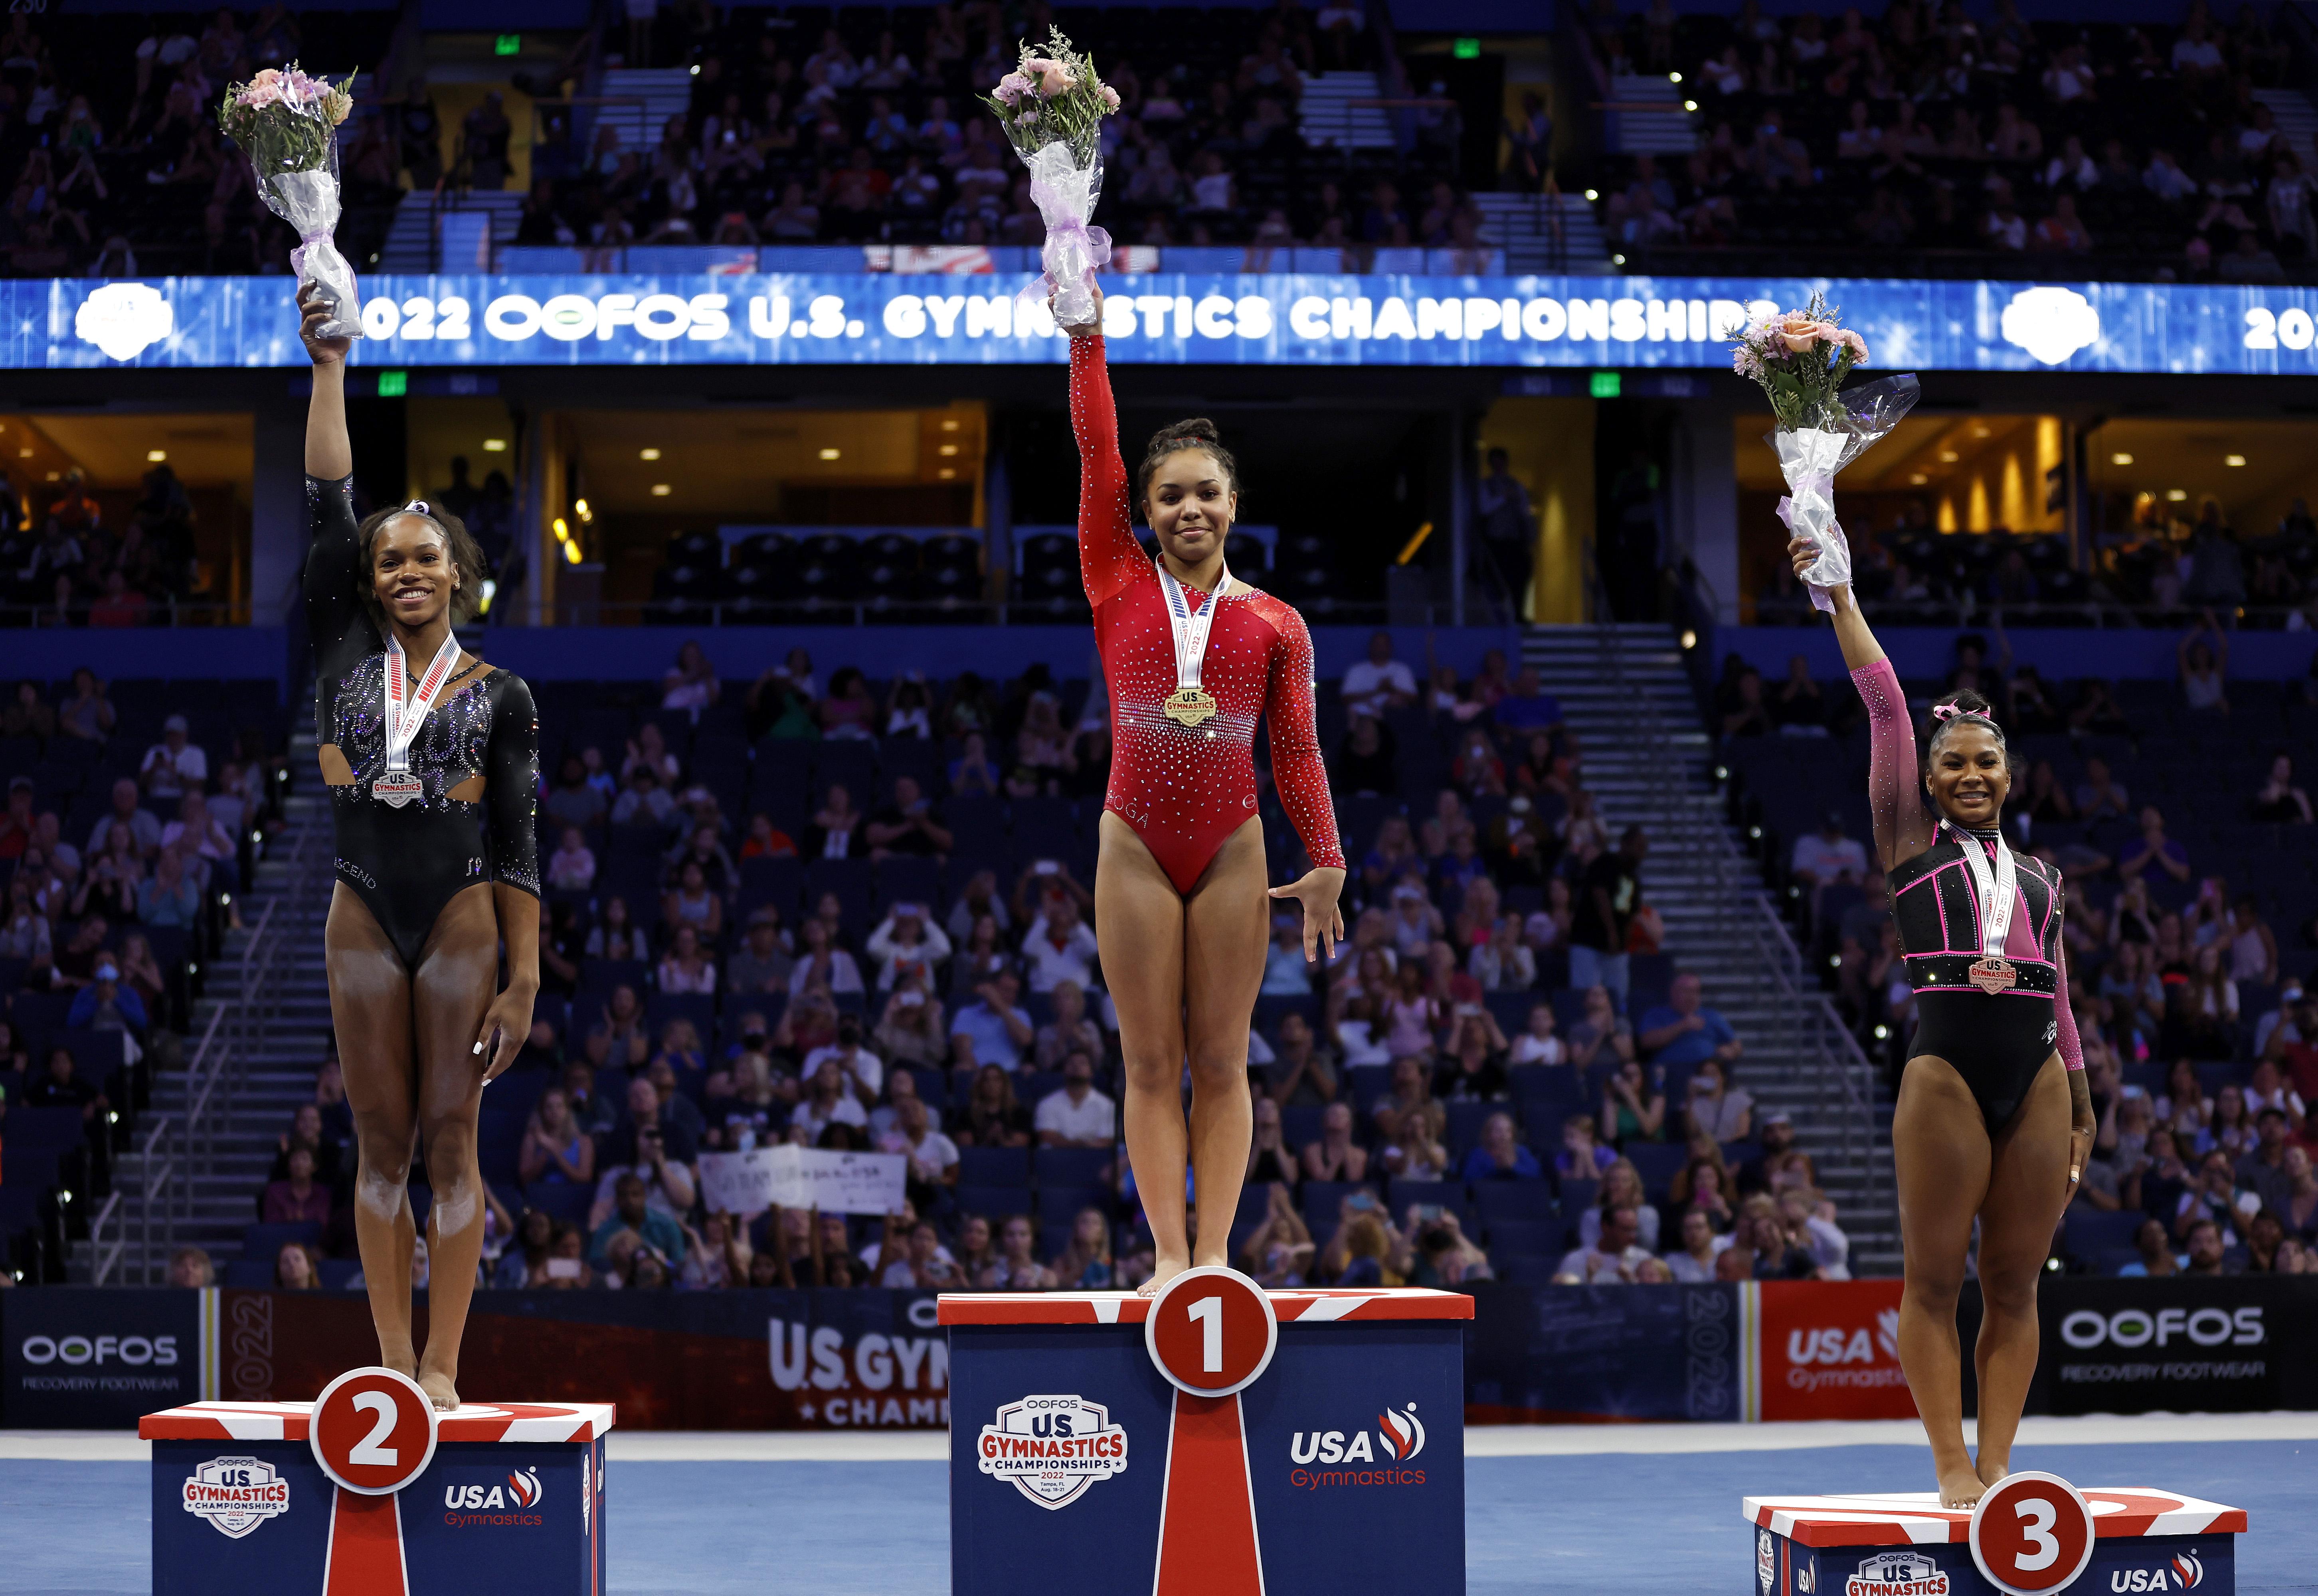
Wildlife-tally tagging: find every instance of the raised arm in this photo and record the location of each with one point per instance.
(1109, 556)
(332, 609)
(1903, 827)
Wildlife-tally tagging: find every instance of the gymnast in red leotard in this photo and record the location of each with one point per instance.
(1193, 658)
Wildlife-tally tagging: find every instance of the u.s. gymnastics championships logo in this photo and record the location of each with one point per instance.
(1051, 1449)
(236, 1494)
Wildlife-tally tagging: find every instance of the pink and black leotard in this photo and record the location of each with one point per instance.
(1185, 789)
(1997, 1041)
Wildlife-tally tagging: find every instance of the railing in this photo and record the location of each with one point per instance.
(924, 613)
(180, 1148)
(1807, 1025)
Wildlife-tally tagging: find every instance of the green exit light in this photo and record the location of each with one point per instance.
(396, 384)
(509, 44)
(1601, 385)
(1467, 50)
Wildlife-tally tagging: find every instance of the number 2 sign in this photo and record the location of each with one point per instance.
(374, 1430)
(1211, 1331)
(2032, 1534)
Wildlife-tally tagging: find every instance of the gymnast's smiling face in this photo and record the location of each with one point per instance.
(1969, 775)
(412, 571)
(1191, 504)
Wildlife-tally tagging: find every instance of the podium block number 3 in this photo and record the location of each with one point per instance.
(2032, 1534)
(1211, 1332)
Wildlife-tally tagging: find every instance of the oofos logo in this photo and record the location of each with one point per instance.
(80, 1350)
(2131, 1328)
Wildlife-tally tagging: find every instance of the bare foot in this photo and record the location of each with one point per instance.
(440, 1389)
(1164, 1270)
(405, 1364)
(1992, 1470)
(1961, 1487)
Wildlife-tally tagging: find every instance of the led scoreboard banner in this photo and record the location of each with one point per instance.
(1164, 317)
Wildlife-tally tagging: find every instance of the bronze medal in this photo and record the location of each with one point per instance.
(1993, 975)
(1191, 706)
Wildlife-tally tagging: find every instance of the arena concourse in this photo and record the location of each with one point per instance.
(1614, 1041)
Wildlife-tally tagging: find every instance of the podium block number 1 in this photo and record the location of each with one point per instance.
(1208, 1312)
(1211, 1332)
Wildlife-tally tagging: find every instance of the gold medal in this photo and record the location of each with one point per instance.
(1191, 706)
(1993, 975)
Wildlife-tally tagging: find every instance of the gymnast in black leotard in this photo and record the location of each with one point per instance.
(432, 761)
(1994, 1121)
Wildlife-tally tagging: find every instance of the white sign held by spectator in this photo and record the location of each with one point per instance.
(803, 1177)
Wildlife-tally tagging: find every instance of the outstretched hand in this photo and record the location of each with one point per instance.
(1324, 916)
(1088, 329)
(315, 308)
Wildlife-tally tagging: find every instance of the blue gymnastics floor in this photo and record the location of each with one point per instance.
(1601, 1524)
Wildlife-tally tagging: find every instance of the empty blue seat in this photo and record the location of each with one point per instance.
(560, 1200)
(994, 1202)
(265, 1241)
(1071, 1166)
(1514, 1199)
(995, 1166)
(2087, 1231)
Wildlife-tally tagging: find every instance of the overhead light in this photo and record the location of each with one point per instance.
(946, 473)
(24, 454)
(56, 476)
(1592, 195)
(648, 454)
(950, 426)
(1617, 260)
(1690, 105)
(2176, 495)
(830, 453)
(562, 531)
(1949, 457)
(491, 591)
(1918, 479)
(662, 490)
(1979, 432)
(949, 448)
(2120, 458)
(571, 552)
(2233, 460)
(1674, 78)
(155, 456)
(695, 68)
(585, 513)
(494, 446)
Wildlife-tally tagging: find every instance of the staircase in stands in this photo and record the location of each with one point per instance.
(1649, 761)
(1557, 233)
(205, 1144)
(1645, 116)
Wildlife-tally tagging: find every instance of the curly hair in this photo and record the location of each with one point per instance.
(1197, 432)
(466, 559)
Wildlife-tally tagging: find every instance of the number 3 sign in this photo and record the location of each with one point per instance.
(1211, 1331)
(2032, 1534)
(374, 1430)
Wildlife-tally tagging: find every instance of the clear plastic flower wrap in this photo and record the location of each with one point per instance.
(1801, 357)
(287, 123)
(1051, 108)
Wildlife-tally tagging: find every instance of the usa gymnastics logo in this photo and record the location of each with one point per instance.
(480, 1506)
(236, 1494)
(2185, 1572)
(1898, 1573)
(1400, 1436)
(1052, 1449)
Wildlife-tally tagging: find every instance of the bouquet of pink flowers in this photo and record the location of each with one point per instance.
(287, 124)
(1051, 107)
(1801, 358)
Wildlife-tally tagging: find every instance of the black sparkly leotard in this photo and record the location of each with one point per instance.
(405, 864)
(1997, 1041)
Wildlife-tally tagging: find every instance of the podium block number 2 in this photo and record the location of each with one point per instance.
(1211, 1332)
(2032, 1534)
(367, 1452)
(374, 1430)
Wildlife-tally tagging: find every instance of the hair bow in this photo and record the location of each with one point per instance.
(1949, 712)
(418, 506)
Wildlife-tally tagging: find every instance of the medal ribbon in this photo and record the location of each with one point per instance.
(1191, 628)
(403, 720)
(1997, 886)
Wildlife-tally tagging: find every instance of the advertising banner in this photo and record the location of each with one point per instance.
(83, 1359)
(2238, 1344)
(787, 318)
(1578, 1354)
(803, 1177)
(1830, 1349)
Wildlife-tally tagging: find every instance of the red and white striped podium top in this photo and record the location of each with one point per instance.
(1314, 1307)
(515, 1422)
(1915, 1518)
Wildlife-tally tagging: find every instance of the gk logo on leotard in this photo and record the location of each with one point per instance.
(2052, 1029)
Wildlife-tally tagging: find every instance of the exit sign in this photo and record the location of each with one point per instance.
(1603, 385)
(393, 384)
(509, 44)
(1467, 50)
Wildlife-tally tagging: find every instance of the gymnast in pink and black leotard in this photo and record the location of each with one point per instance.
(1186, 788)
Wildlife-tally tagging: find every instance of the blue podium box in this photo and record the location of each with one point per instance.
(1341, 1467)
(1905, 1544)
(512, 1501)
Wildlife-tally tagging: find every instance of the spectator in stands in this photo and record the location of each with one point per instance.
(766, 840)
(687, 967)
(294, 1270)
(571, 868)
(1613, 1258)
(556, 1149)
(760, 965)
(690, 684)
(1681, 1032)
(1537, 1044)
(1057, 946)
(300, 1197)
(87, 714)
(1077, 1115)
(1714, 1109)
(1529, 707)
(1826, 855)
(1285, 969)
(906, 944)
(2208, 1248)
(2154, 848)
(822, 962)
(933, 1156)
(190, 1269)
(1473, 1068)
(62, 1086)
(2300, 1210)
(1334, 1155)
(141, 822)
(653, 1143)
(2279, 800)
(2263, 1170)
(106, 1005)
(831, 835)
(1798, 706)
(1367, 760)
(1600, 1025)
(1380, 682)
(1692, 1264)
(2210, 1194)
(2204, 664)
(1633, 1109)
(1300, 1074)
(1746, 715)
(993, 1116)
(1016, 1268)
(632, 1214)
(1607, 897)
(2100, 796)
(1776, 1255)
(645, 801)
(1582, 1157)
(993, 1029)
(1504, 961)
(575, 801)
(1780, 1164)
(27, 935)
(176, 764)
(908, 826)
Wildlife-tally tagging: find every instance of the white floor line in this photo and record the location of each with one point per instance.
(1493, 1441)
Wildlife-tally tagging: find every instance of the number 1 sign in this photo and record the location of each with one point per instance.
(1211, 1331)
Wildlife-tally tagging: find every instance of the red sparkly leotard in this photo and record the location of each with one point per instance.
(1185, 789)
